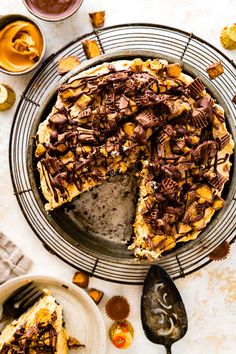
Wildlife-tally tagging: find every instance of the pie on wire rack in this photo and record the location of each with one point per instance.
(120, 115)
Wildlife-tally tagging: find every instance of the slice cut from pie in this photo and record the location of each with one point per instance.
(40, 330)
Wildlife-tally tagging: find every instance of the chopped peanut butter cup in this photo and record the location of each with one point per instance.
(223, 141)
(117, 308)
(199, 118)
(220, 252)
(218, 181)
(196, 87)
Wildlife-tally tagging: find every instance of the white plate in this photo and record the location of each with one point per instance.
(82, 317)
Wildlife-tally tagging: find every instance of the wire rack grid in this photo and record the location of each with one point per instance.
(180, 45)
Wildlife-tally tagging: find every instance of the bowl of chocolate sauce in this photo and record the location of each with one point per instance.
(52, 10)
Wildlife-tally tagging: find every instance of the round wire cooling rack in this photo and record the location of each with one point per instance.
(165, 41)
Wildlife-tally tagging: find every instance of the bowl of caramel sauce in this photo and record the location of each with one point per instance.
(52, 10)
(22, 44)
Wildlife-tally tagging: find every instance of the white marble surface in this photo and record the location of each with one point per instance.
(209, 294)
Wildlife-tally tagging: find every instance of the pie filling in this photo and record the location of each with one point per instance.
(109, 118)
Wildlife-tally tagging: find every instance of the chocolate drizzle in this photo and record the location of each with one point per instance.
(40, 339)
(122, 117)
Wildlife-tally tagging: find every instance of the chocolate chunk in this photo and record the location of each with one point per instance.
(196, 87)
(57, 120)
(147, 119)
(171, 171)
(160, 197)
(60, 181)
(174, 210)
(86, 135)
(52, 165)
(140, 134)
(234, 99)
(53, 136)
(123, 102)
(86, 113)
(169, 129)
(111, 67)
(204, 152)
(223, 141)
(206, 104)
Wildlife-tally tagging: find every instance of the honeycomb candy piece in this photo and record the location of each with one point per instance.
(83, 101)
(40, 150)
(96, 295)
(129, 129)
(183, 228)
(43, 316)
(97, 18)
(81, 279)
(67, 64)
(91, 48)
(214, 70)
(205, 192)
(156, 65)
(199, 225)
(137, 65)
(218, 203)
(173, 70)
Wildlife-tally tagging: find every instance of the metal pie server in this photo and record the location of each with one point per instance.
(163, 314)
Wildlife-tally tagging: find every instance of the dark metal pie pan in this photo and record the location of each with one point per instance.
(92, 232)
(87, 220)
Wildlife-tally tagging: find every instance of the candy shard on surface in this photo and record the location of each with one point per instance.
(91, 48)
(173, 70)
(215, 70)
(67, 64)
(81, 279)
(96, 295)
(97, 18)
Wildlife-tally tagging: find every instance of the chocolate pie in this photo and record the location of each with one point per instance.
(111, 117)
(40, 330)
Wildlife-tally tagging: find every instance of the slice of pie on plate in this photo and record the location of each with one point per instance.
(40, 330)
